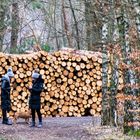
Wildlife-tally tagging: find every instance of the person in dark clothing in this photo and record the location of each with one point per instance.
(34, 101)
(5, 95)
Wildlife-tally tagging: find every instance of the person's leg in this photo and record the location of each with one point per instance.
(39, 117)
(4, 114)
(33, 117)
(5, 118)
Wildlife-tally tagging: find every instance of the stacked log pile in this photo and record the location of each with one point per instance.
(72, 81)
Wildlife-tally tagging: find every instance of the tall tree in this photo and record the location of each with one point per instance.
(131, 107)
(66, 28)
(93, 21)
(3, 8)
(56, 37)
(109, 109)
(15, 26)
(76, 24)
(105, 115)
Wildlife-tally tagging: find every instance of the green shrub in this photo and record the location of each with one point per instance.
(134, 133)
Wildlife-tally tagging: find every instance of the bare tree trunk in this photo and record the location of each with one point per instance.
(2, 28)
(114, 65)
(136, 5)
(93, 24)
(56, 38)
(106, 109)
(76, 25)
(2, 23)
(131, 107)
(15, 27)
(66, 26)
(105, 115)
(109, 103)
(64, 40)
(113, 90)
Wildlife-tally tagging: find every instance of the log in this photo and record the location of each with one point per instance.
(72, 81)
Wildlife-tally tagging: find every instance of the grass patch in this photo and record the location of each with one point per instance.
(134, 133)
(2, 138)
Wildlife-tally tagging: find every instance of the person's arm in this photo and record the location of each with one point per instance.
(37, 88)
(4, 86)
(4, 90)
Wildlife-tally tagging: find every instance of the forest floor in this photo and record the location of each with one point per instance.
(62, 128)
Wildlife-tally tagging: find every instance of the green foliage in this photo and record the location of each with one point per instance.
(36, 4)
(134, 133)
(26, 45)
(1, 138)
(45, 47)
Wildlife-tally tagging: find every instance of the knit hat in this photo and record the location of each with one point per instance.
(10, 72)
(35, 74)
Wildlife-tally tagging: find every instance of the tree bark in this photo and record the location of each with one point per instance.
(15, 27)
(113, 90)
(93, 24)
(131, 107)
(68, 34)
(105, 114)
(109, 103)
(76, 25)
(3, 8)
(56, 38)
(136, 5)
(2, 28)
(106, 110)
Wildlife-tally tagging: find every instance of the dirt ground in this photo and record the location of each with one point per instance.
(63, 128)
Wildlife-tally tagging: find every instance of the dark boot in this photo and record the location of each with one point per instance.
(6, 121)
(39, 125)
(32, 124)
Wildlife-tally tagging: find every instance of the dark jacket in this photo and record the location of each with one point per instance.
(5, 94)
(34, 101)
